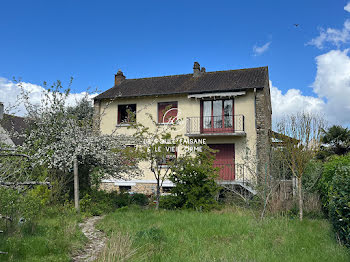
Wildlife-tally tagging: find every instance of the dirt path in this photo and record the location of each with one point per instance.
(97, 240)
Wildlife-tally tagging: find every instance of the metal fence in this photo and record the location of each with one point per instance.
(215, 124)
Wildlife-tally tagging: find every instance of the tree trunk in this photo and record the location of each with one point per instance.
(157, 195)
(300, 199)
(76, 184)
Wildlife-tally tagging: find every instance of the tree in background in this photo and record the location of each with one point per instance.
(302, 132)
(336, 141)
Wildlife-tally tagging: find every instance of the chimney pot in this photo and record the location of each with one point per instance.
(196, 69)
(119, 77)
(203, 70)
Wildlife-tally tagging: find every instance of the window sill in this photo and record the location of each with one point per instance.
(123, 124)
(167, 124)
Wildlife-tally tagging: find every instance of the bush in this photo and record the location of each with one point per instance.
(335, 192)
(139, 199)
(97, 202)
(22, 208)
(329, 170)
(339, 203)
(169, 202)
(195, 187)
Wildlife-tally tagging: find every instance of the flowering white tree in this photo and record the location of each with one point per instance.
(62, 138)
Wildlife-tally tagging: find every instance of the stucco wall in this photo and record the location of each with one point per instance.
(243, 105)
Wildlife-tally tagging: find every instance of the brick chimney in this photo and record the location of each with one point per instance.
(119, 77)
(1, 110)
(196, 70)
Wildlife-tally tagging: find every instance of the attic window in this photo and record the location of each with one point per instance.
(126, 113)
(167, 112)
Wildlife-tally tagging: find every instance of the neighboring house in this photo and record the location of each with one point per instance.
(230, 109)
(9, 126)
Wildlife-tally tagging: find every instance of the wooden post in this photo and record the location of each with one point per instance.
(76, 184)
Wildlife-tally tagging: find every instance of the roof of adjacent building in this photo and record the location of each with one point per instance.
(14, 124)
(222, 81)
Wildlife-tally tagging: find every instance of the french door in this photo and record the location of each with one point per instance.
(217, 116)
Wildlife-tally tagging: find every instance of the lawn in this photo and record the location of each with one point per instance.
(229, 235)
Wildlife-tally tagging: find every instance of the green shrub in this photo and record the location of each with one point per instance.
(139, 199)
(22, 208)
(97, 202)
(195, 186)
(335, 194)
(169, 202)
(339, 203)
(329, 169)
(123, 200)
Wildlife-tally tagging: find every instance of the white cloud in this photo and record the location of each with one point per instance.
(258, 50)
(332, 82)
(10, 92)
(331, 88)
(347, 7)
(293, 102)
(332, 36)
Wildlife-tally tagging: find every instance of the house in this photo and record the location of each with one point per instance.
(229, 110)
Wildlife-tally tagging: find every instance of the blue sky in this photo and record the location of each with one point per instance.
(91, 40)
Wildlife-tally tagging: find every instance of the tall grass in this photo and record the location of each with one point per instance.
(55, 237)
(231, 235)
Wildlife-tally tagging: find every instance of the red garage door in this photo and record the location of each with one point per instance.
(225, 160)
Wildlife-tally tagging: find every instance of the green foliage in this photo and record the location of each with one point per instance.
(339, 203)
(329, 171)
(42, 193)
(23, 209)
(97, 202)
(139, 199)
(312, 175)
(55, 238)
(335, 189)
(336, 141)
(195, 187)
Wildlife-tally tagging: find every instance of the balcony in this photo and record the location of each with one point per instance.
(215, 126)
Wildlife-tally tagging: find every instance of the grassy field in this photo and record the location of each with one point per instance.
(231, 235)
(53, 239)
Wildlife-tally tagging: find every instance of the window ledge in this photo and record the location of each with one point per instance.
(123, 124)
(167, 124)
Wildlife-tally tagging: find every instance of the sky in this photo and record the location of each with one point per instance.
(305, 44)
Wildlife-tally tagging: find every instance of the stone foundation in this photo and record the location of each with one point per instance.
(146, 188)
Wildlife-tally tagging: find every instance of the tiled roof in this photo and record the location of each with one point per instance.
(231, 80)
(14, 124)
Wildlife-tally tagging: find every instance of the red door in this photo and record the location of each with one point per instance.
(225, 160)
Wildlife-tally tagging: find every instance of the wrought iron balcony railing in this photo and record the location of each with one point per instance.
(215, 124)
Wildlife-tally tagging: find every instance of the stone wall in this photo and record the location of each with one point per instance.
(144, 188)
(263, 128)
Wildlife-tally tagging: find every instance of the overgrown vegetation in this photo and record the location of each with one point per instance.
(98, 202)
(232, 234)
(335, 191)
(195, 186)
(53, 237)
